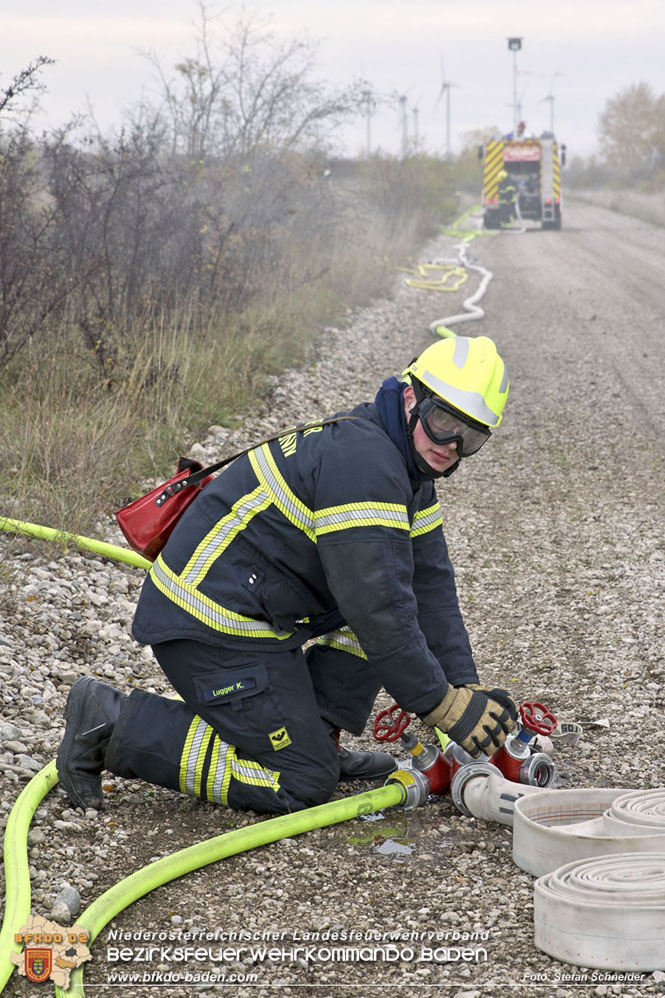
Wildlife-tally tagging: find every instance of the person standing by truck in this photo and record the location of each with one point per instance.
(507, 198)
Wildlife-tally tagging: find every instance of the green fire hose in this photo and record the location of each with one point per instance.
(126, 891)
(17, 876)
(62, 537)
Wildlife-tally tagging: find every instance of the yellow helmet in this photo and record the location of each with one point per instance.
(503, 175)
(467, 373)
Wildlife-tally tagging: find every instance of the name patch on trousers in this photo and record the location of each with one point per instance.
(279, 739)
(239, 686)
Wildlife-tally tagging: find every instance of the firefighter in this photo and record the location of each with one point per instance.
(330, 536)
(507, 198)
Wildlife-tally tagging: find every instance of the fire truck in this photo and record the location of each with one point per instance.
(533, 166)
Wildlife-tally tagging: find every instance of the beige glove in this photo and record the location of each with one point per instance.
(477, 719)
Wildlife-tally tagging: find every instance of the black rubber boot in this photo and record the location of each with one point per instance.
(91, 713)
(363, 765)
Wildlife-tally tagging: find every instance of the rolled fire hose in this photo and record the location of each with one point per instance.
(126, 891)
(606, 912)
(600, 858)
(556, 827)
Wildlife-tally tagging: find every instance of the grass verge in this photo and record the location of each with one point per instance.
(75, 445)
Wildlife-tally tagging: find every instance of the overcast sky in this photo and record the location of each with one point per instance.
(598, 47)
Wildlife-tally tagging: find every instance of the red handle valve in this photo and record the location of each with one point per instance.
(393, 726)
(538, 718)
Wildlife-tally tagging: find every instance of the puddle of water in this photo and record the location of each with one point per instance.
(391, 847)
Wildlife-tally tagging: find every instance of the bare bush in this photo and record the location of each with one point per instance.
(146, 292)
(244, 91)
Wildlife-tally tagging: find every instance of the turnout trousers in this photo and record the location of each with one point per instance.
(253, 728)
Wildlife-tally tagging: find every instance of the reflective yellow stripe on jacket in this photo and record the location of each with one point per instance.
(188, 597)
(344, 640)
(426, 520)
(272, 490)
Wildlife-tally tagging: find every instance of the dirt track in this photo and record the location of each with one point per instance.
(556, 532)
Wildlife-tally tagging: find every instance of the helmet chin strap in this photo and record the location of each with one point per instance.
(420, 462)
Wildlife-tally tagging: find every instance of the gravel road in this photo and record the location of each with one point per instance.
(556, 532)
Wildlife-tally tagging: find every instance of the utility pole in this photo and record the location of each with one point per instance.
(416, 138)
(514, 45)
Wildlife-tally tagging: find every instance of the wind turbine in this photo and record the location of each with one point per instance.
(446, 86)
(415, 110)
(404, 124)
(550, 98)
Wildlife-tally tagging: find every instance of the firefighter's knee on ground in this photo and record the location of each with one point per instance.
(315, 784)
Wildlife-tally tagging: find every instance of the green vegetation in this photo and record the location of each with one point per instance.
(151, 281)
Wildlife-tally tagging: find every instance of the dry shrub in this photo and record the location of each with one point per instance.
(83, 432)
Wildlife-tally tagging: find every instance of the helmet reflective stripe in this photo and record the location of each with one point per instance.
(461, 351)
(471, 403)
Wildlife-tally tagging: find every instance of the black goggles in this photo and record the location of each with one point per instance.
(443, 425)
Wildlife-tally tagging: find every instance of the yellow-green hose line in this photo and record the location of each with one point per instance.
(17, 876)
(126, 891)
(62, 537)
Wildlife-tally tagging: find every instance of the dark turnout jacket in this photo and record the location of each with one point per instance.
(320, 529)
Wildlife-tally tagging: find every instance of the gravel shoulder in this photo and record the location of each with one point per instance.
(556, 533)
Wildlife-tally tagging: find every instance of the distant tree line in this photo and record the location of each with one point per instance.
(631, 134)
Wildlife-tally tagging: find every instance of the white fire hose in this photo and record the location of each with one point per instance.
(559, 826)
(606, 912)
(599, 855)
(472, 309)
(491, 798)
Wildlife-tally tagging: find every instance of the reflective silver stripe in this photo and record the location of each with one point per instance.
(425, 520)
(220, 771)
(253, 774)
(193, 756)
(298, 514)
(344, 640)
(355, 517)
(461, 351)
(233, 523)
(210, 613)
(472, 403)
(504, 382)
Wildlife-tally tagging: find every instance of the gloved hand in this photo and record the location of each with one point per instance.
(501, 696)
(477, 719)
